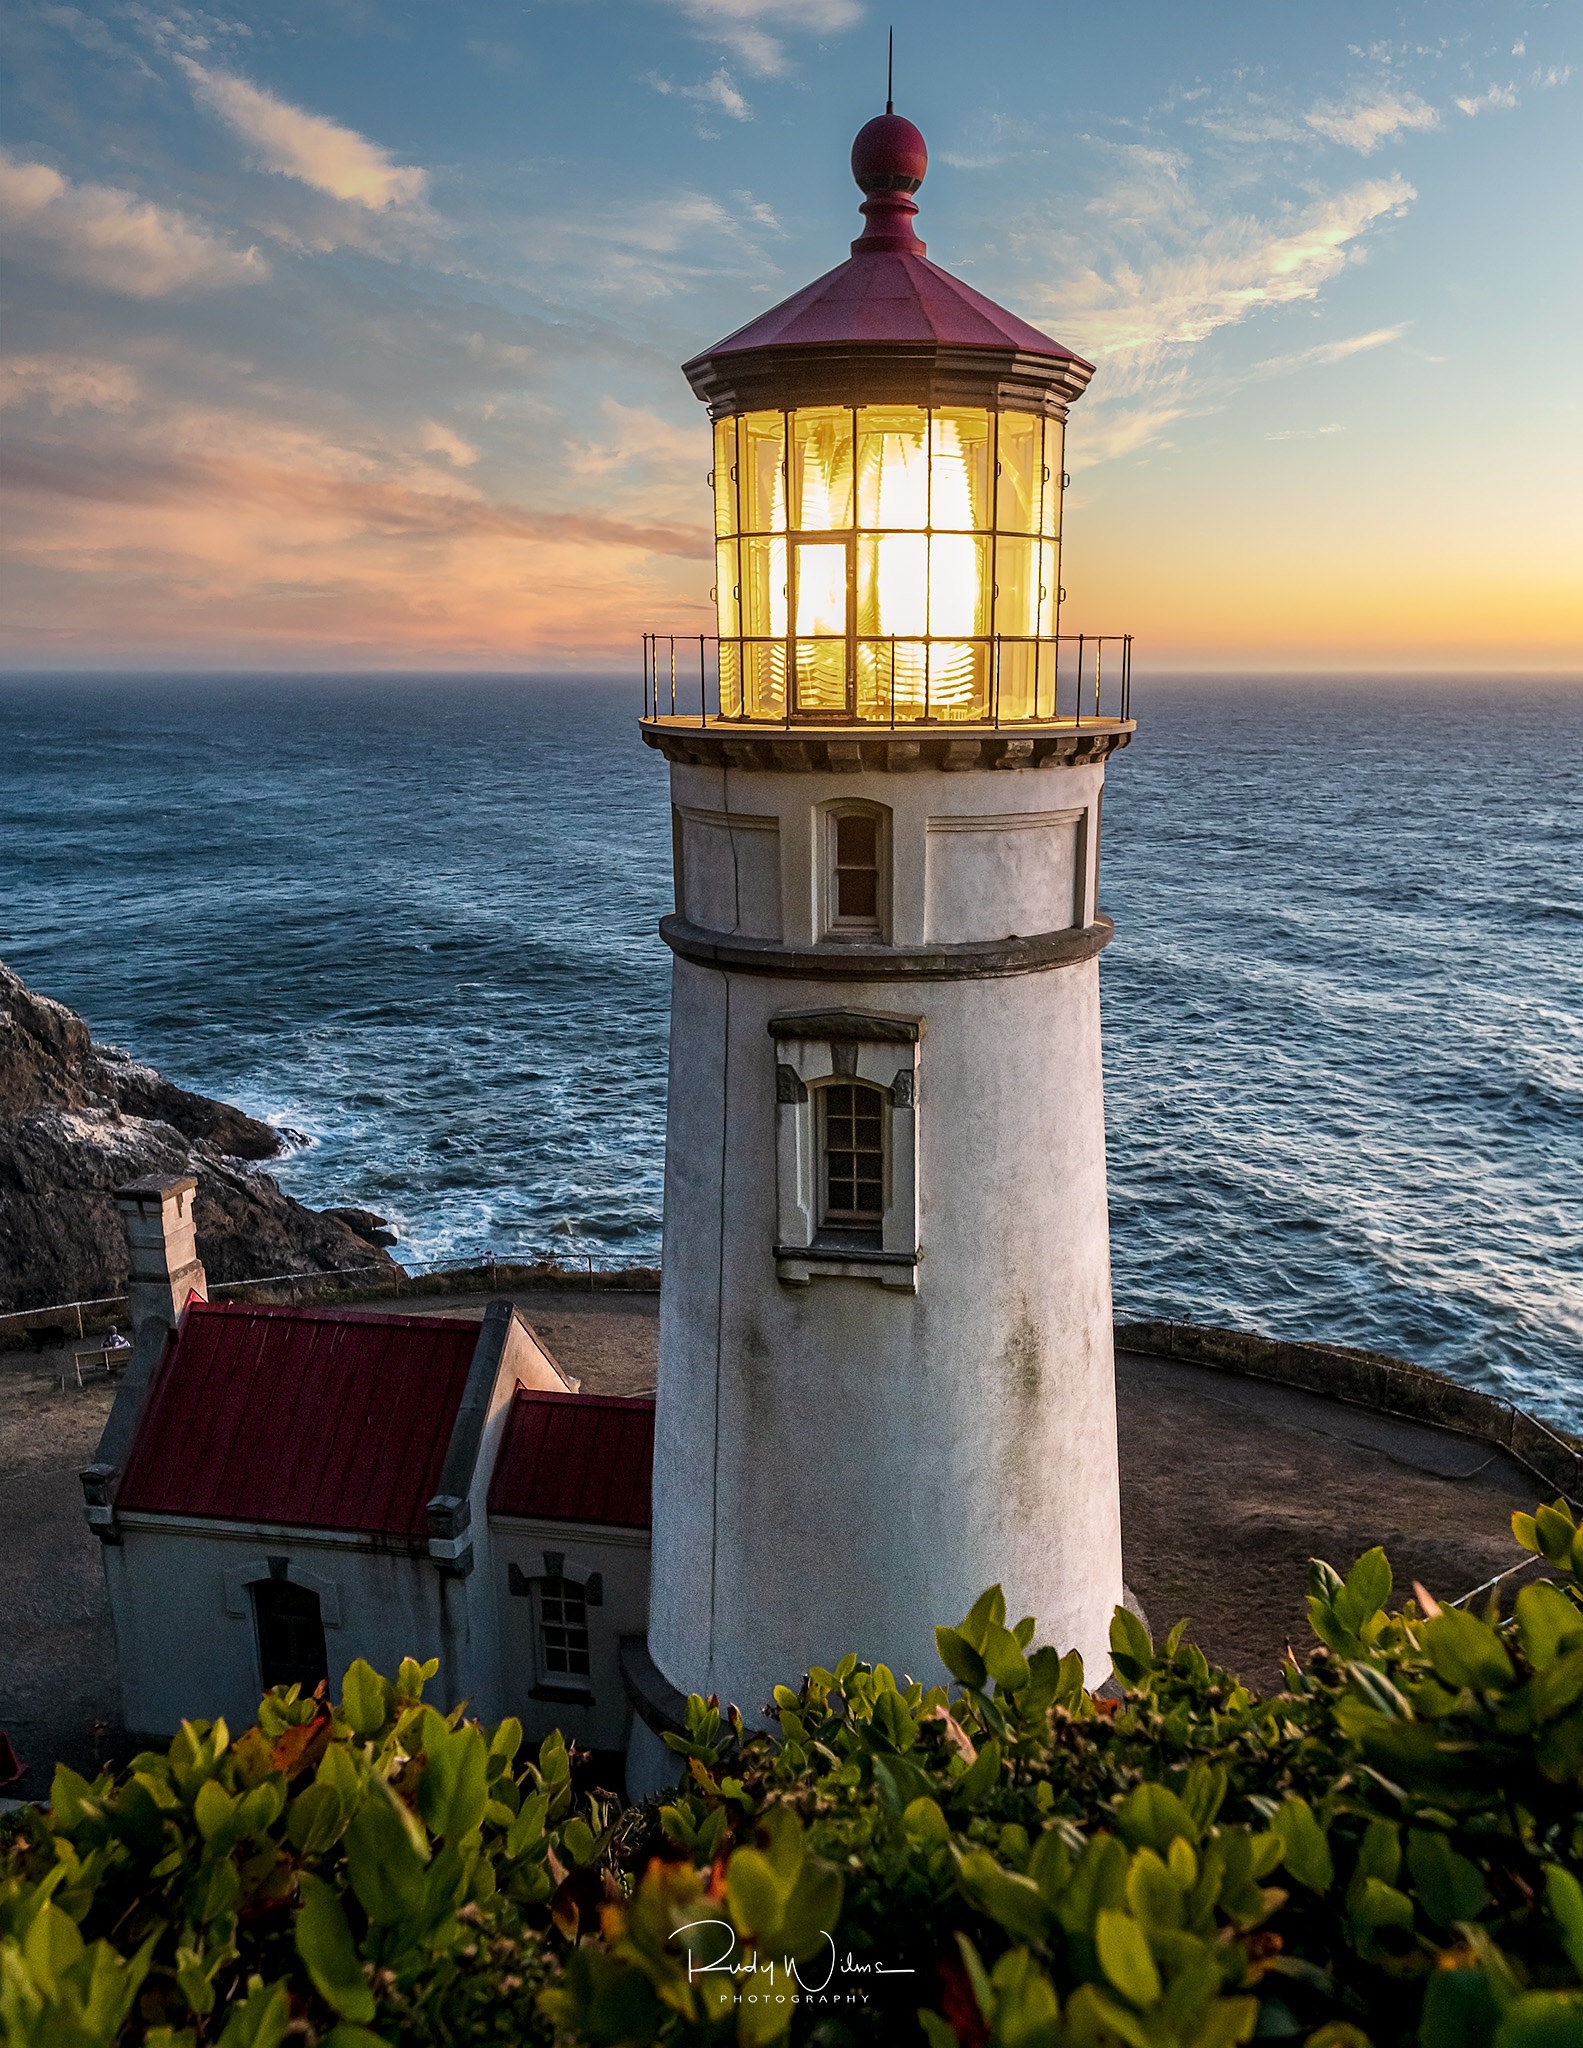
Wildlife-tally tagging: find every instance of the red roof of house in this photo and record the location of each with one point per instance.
(576, 1458)
(308, 1418)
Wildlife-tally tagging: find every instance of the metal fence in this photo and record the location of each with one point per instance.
(73, 1318)
(681, 680)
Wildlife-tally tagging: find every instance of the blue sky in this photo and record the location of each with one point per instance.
(346, 335)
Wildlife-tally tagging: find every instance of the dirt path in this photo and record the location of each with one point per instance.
(1228, 1487)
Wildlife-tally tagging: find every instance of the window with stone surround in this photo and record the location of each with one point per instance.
(846, 1146)
(852, 1153)
(290, 1629)
(563, 1628)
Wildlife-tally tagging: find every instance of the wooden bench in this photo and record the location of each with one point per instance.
(111, 1355)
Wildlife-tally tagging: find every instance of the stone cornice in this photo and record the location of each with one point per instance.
(977, 959)
(852, 749)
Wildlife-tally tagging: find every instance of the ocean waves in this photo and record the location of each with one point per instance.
(414, 921)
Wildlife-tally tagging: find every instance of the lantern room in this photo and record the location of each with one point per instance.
(888, 477)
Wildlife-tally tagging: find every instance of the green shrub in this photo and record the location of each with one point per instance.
(1386, 1852)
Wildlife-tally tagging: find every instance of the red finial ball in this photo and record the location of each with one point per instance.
(889, 155)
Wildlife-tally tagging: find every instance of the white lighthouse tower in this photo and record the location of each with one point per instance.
(886, 1375)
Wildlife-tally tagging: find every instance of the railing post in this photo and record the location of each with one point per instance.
(673, 675)
(703, 702)
(1099, 667)
(1079, 697)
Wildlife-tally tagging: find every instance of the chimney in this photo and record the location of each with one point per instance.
(166, 1268)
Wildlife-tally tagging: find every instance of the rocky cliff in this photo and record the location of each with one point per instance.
(78, 1119)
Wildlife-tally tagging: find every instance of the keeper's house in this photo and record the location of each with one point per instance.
(300, 1487)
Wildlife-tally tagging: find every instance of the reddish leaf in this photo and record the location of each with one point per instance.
(960, 2006)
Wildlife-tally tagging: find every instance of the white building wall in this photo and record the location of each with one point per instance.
(185, 1635)
(621, 1558)
(841, 1465)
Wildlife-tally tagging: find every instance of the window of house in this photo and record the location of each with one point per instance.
(290, 1635)
(563, 1627)
(856, 884)
(852, 1150)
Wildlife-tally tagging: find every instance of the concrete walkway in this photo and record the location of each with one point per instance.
(1228, 1487)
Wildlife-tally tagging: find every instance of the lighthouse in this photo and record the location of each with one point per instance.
(886, 1371)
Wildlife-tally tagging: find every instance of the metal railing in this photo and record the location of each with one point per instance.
(392, 1277)
(679, 675)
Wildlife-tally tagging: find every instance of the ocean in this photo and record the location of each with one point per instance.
(411, 921)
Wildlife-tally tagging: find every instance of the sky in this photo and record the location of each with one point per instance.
(345, 334)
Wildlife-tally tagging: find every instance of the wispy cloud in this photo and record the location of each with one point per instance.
(308, 147)
(1175, 298)
(1497, 96)
(717, 92)
(64, 384)
(436, 439)
(104, 236)
(1329, 351)
(1162, 261)
(752, 29)
(1306, 433)
(1370, 116)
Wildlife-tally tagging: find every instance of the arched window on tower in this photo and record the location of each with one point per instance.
(852, 1165)
(290, 1635)
(857, 872)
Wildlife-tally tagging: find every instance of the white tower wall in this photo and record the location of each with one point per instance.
(848, 1455)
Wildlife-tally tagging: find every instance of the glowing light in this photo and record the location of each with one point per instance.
(871, 536)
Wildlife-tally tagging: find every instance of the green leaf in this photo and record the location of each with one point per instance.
(1548, 1624)
(1304, 1850)
(577, 1838)
(987, 1611)
(1542, 2019)
(1125, 1959)
(1367, 1588)
(1003, 1659)
(454, 1788)
(348, 2036)
(899, 1782)
(212, 1808)
(1011, 1901)
(894, 1722)
(325, 1944)
(385, 1857)
(753, 1893)
(980, 1777)
(1151, 1816)
(1379, 1853)
(1131, 1649)
(1555, 1529)
(1449, 1887)
(316, 1819)
(261, 2020)
(960, 1658)
(924, 1825)
(1564, 1897)
(1466, 1651)
(1460, 2010)
(367, 1700)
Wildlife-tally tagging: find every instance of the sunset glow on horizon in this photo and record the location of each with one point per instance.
(346, 339)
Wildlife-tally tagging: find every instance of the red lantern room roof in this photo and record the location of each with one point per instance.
(888, 325)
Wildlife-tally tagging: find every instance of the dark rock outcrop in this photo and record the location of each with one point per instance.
(78, 1120)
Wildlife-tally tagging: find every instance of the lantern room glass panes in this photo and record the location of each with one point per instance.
(888, 563)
